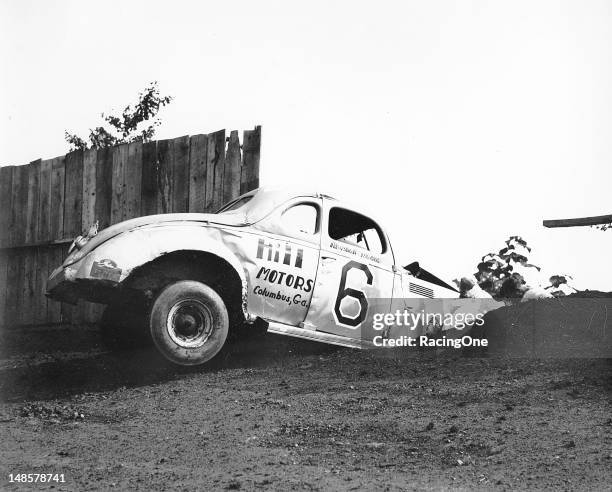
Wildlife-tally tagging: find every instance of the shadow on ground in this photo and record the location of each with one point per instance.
(46, 363)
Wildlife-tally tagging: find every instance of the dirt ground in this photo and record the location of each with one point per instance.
(283, 414)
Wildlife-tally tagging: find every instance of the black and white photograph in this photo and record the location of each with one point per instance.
(306, 246)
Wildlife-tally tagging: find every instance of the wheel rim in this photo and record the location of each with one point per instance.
(189, 323)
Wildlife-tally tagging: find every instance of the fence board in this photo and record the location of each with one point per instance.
(88, 215)
(219, 164)
(179, 188)
(118, 194)
(19, 204)
(27, 287)
(164, 176)
(210, 173)
(12, 280)
(198, 146)
(6, 195)
(32, 204)
(231, 174)
(133, 181)
(250, 159)
(40, 301)
(58, 172)
(148, 204)
(3, 286)
(44, 203)
(104, 187)
(73, 200)
(54, 260)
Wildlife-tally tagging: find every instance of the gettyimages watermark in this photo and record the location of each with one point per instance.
(435, 324)
(571, 327)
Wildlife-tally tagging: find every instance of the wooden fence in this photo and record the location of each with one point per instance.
(44, 205)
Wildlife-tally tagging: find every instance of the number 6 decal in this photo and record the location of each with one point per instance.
(344, 291)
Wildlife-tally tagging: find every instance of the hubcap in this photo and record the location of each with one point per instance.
(189, 323)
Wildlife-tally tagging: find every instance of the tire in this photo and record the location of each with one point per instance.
(124, 326)
(189, 323)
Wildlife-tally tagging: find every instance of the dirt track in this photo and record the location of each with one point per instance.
(287, 415)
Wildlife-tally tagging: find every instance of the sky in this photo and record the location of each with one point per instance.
(457, 124)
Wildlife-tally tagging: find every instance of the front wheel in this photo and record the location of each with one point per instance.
(189, 323)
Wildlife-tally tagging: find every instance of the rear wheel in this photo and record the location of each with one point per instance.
(189, 322)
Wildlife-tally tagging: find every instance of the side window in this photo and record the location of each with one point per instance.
(302, 218)
(356, 229)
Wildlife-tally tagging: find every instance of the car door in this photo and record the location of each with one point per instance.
(285, 255)
(355, 275)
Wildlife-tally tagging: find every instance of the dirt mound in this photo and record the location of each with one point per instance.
(573, 326)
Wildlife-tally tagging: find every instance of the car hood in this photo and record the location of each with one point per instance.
(225, 219)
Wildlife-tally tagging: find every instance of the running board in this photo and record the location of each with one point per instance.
(317, 336)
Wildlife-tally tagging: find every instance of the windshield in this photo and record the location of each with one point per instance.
(235, 205)
(257, 204)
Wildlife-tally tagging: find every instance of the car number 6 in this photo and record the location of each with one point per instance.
(344, 291)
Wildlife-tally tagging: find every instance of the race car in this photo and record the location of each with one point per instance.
(303, 264)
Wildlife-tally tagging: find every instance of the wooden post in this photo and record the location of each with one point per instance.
(583, 221)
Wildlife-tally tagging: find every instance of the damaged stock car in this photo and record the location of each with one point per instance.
(298, 264)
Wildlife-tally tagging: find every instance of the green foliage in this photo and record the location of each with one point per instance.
(134, 124)
(495, 268)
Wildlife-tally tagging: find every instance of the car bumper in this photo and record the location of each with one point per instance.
(64, 286)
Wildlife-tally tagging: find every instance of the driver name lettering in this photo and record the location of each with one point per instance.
(274, 251)
(347, 249)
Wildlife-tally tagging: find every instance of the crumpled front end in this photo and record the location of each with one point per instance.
(66, 285)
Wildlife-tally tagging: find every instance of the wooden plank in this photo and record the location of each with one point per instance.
(31, 224)
(179, 202)
(133, 181)
(3, 286)
(164, 177)
(13, 293)
(88, 214)
(54, 260)
(148, 204)
(209, 193)
(231, 175)
(42, 267)
(582, 221)
(73, 200)
(219, 165)
(104, 187)
(120, 153)
(251, 147)
(19, 205)
(27, 300)
(198, 149)
(6, 195)
(44, 202)
(58, 171)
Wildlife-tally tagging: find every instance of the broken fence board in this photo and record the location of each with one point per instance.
(251, 146)
(231, 173)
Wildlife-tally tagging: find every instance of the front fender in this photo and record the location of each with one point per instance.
(114, 260)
